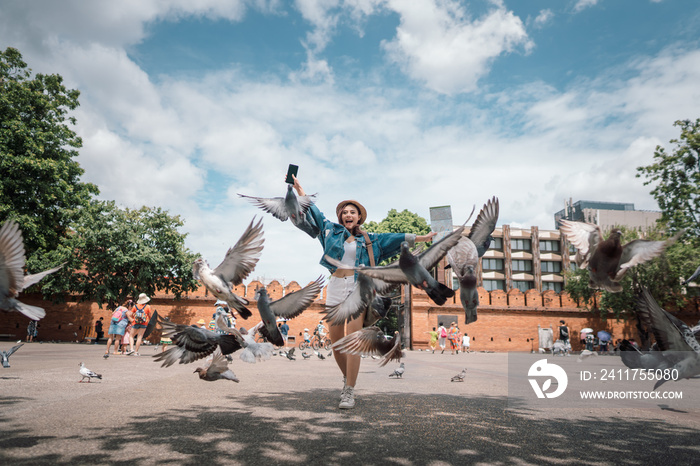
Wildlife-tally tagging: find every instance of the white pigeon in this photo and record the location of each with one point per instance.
(5, 355)
(459, 377)
(87, 373)
(398, 372)
(12, 278)
(239, 262)
(217, 369)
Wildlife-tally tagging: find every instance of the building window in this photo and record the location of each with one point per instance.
(573, 267)
(520, 244)
(522, 266)
(523, 285)
(490, 285)
(551, 267)
(552, 286)
(496, 243)
(549, 246)
(491, 264)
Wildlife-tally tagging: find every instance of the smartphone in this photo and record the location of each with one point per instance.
(292, 170)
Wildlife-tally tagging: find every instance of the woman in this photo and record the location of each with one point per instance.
(453, 336)
(346, 242)
(117, 326)
(141, 314)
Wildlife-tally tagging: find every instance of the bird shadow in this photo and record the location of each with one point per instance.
(307, 427)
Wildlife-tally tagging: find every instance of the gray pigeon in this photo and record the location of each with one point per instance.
(87, 373)
(633, 358)
(608, 260)
(371, 341)
(305, 355)
(464, 257)
(693, 276)
(191, 343)
(676, 341)
(414, 270)
(289, 207)
(320, 356)
(398, 372)
(459, 377)
(239, 262)
(290, 306)
(12, 278)
(217, 369)
(5, 355)
(290, 354)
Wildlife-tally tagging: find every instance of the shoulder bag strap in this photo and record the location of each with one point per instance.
(369, 248)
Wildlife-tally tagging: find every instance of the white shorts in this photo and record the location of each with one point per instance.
(339, 289)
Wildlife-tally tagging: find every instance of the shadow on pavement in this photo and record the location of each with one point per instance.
(307, 427)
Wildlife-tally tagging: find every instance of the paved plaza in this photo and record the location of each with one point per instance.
(285, 412)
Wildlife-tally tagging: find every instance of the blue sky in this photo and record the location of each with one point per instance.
(399, 104)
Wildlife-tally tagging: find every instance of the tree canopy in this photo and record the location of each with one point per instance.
(400, 222)
(677, 179)
(116, 253)
(40, 183)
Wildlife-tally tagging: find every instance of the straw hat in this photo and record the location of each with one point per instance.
(201, 322)
(143, 299)
(363, 211)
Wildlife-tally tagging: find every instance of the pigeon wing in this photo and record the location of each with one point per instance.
(295, 303)
(584, 236)
(241, 259)
(485, 222)
(366, 342)
(32, 279)
(462, 255)
(355, 304)
(13, 349)
(431, 256)
(637, 252)
(271, 205)
(667, 336)
(306, 201)
(11, 259)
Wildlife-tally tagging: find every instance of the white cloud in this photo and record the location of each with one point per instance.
(543, 18)
(583, 4)
(438, 44)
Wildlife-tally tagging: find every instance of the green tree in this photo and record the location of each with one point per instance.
(115, 253)
(39, 179)
(677, 179)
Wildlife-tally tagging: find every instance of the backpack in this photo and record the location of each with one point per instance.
(140, 317)
(443, 333)
(117, 315)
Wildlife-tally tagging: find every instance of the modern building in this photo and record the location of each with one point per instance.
(607, 215)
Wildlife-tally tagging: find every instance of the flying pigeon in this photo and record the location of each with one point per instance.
(371, 341)
(290, 354)
(675, 340)
(693, 276)
(306, 355)
(289, 207)
(191, 343)
(253, 351)
(12, 278)
(414, 270)
(217, 369)
(87, 373)
(398, 372)
(464, 257)
(633, 358)
(608, 260)
(290, 306)
(459, 377)
(239, 262)
(5, 355)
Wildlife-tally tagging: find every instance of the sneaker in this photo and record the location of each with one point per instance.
(129, 353)
(348, 399)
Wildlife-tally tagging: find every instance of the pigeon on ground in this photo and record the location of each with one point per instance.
(290, 306)
(414, 270)
(191, 343)
(305, 355)
(675, 340)
(290, 354)
(289, 207)
(217, 369)
(608, 260)
(239, 262)
(585, 354)
(693, 276)
(87, 373)
(12, 278)
(464, 257)
(398, 372)
(320, 356)
(459, 377)
(5, 355)
(371, 341)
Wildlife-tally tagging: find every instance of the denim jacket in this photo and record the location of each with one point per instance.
(333, 235)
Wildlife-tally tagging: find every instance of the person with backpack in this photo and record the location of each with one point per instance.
(442, 336)
(117, 327)
(142, 314)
